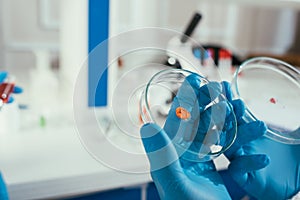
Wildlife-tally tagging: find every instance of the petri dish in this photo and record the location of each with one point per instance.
(199, 132)
(270, 89)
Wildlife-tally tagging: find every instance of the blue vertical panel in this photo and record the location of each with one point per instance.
(117, 194)
(98, 30)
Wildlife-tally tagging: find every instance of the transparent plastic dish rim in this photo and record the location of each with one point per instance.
(150, 119)
(289, 72)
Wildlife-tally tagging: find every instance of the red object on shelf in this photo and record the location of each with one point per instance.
(225, 54)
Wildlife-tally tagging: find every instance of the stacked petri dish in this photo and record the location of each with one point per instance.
(270, 89)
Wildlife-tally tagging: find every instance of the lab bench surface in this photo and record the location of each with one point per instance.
(52, 163)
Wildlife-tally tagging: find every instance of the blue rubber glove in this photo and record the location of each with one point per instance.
(275, 176)
(3, 190)
(175, 177)
(16, 90)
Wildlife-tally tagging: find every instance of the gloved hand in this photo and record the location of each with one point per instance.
(179, 179)
(174, 177)
(3, 190)
(16, 90)
(278, 177)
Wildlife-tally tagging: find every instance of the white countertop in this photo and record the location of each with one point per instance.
(52, 162)
(49, 162)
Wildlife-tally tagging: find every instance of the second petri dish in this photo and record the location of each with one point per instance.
(200, 132)
(270, 89)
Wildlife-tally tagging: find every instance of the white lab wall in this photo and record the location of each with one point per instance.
(32, 26)
(29, 46)
(244, 27)
(1, 37)
(27, 27)
(241, 27)
(25, 23)
(73, 37)
(130, 14)
(264, 30)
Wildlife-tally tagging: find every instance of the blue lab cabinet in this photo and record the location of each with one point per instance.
(135, 193)
(132, 193)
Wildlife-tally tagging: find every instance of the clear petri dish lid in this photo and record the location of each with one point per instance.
(270, 89)
(200, 131)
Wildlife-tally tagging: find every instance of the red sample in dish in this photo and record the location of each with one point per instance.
(273, 100)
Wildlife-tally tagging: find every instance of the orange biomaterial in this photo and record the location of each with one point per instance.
(182, 113)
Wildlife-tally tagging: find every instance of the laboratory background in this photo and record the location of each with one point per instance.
(68, 137)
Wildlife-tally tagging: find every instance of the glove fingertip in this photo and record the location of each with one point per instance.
(208, 93)
(260, 128)
(10, 100)
(250, 131)
(215, 89)
(263, 160)
(240, 167)
(227, 90)
(194, 80)
(249, 163)
(3, 75)
(17, 90)
(215, 86)
(239, 108)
